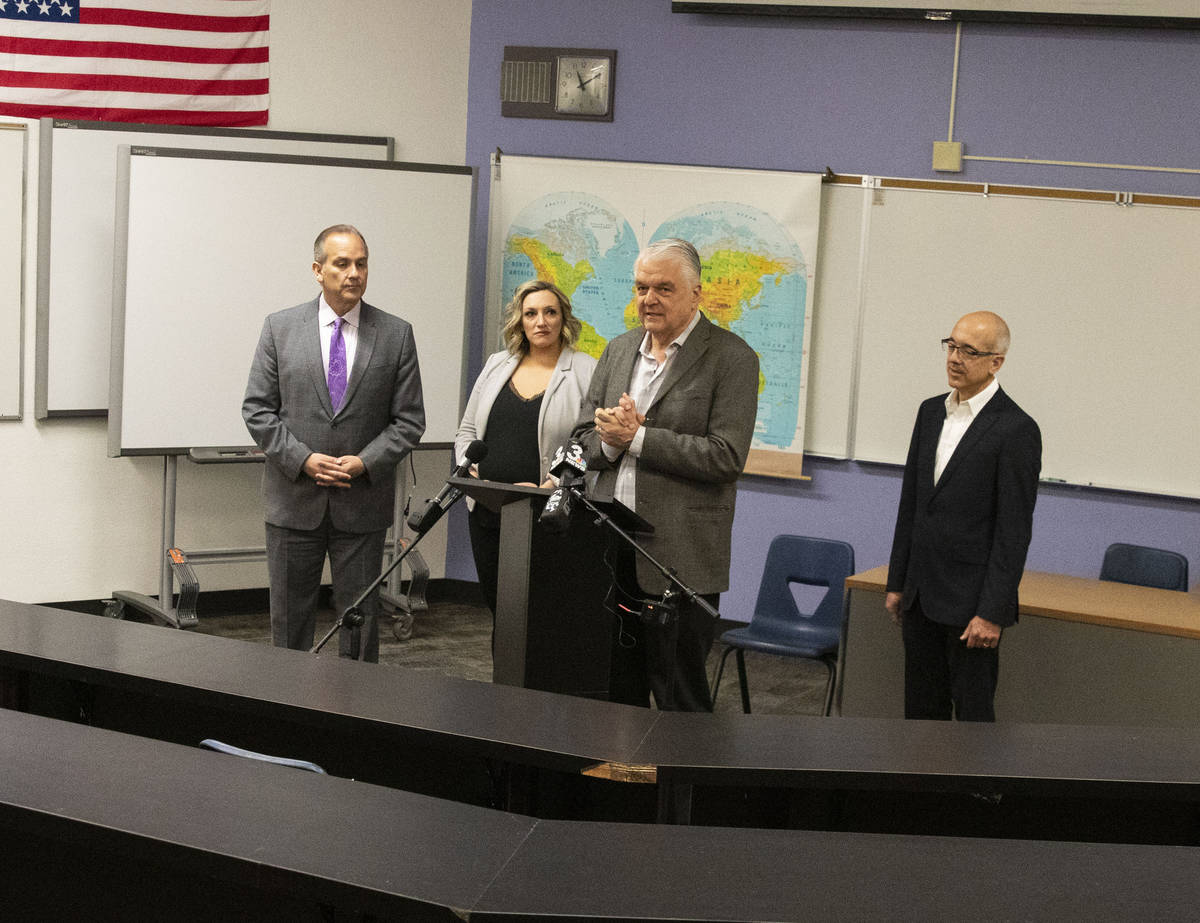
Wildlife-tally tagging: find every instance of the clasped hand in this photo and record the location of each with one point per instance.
(618, 425)
(328, 471)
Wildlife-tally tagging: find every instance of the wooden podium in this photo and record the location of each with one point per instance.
(553, 631)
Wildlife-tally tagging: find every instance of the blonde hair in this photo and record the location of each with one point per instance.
(515, 340)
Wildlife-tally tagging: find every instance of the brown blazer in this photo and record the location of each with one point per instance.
(698, 433)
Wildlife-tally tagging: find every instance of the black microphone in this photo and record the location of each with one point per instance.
(421, 521)
(569, 463)
(569, 467)
(556, 514)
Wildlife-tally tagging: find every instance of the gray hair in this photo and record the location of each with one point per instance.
(319, 243)
(680, 250)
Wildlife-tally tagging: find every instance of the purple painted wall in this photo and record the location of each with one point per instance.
(862, 97)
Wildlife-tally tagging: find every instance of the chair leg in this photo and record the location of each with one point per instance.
(741, 662)
(720, 669)
(831, 666)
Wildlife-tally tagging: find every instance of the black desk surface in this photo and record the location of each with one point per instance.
(867, 752)
(373, 849)
(522, 724)
(543, 729)
(707, 873)
(223, 816)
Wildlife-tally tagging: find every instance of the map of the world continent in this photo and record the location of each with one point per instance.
(754, 283)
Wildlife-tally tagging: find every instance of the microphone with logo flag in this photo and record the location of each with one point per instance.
(569, 467)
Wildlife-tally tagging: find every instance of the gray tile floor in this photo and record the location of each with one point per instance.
(454, 638)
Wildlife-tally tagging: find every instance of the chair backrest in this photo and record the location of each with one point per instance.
(1143, 566)
(210, 744)
(817, 562)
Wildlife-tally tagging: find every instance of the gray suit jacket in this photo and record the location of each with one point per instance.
(698, 433)
(288, 413)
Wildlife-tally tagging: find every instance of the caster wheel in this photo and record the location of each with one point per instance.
(402, 626)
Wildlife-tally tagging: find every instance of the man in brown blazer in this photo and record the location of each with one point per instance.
(667, 424)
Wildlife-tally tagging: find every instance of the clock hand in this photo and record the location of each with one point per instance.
(582, 82)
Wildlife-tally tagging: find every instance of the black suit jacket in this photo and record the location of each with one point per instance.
(961, 544)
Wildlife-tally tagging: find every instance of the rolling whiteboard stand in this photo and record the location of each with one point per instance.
(183, 336)
(164, 610)
(175, 564)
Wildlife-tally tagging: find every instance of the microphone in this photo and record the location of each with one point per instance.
(556, 514)
(569, 467)
(421, 521)
(569, 463)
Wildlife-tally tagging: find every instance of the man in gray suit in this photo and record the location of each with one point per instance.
(334, 400)
(667, 422)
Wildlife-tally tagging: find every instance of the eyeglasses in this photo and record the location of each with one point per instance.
(966, 352)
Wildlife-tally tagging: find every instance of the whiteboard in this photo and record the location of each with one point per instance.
(210, 243)
(12, 268)
(77, 202)
(1104, 312)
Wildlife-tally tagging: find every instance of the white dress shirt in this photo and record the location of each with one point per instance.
(959, 417)
(648, 375)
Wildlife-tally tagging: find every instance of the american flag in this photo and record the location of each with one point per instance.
(182, 62)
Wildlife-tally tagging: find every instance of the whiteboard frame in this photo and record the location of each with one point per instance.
(14, 141)
(68, 326)
(134, 276)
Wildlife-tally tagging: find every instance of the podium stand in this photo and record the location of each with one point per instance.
(552, 629)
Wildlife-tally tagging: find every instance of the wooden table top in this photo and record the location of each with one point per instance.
(1084, 599)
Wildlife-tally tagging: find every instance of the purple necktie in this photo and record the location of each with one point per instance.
(337, 366)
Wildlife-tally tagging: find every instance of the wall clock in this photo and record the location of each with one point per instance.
(558, 83)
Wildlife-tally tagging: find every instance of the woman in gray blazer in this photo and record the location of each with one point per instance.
(523, 406)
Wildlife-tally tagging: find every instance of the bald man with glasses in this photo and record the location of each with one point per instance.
(963, 529)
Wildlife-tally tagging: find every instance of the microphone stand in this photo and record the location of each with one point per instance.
(352, 617)
(667, 608)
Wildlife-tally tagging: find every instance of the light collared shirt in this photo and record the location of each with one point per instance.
(648, 375)
(959, 417)
(325, 318)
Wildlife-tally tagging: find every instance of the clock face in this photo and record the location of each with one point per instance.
(583, 85)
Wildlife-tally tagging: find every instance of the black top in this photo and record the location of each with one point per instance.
(511, 438)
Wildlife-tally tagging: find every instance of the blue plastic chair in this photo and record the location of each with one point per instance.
(778, 626)
(1143, 566)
